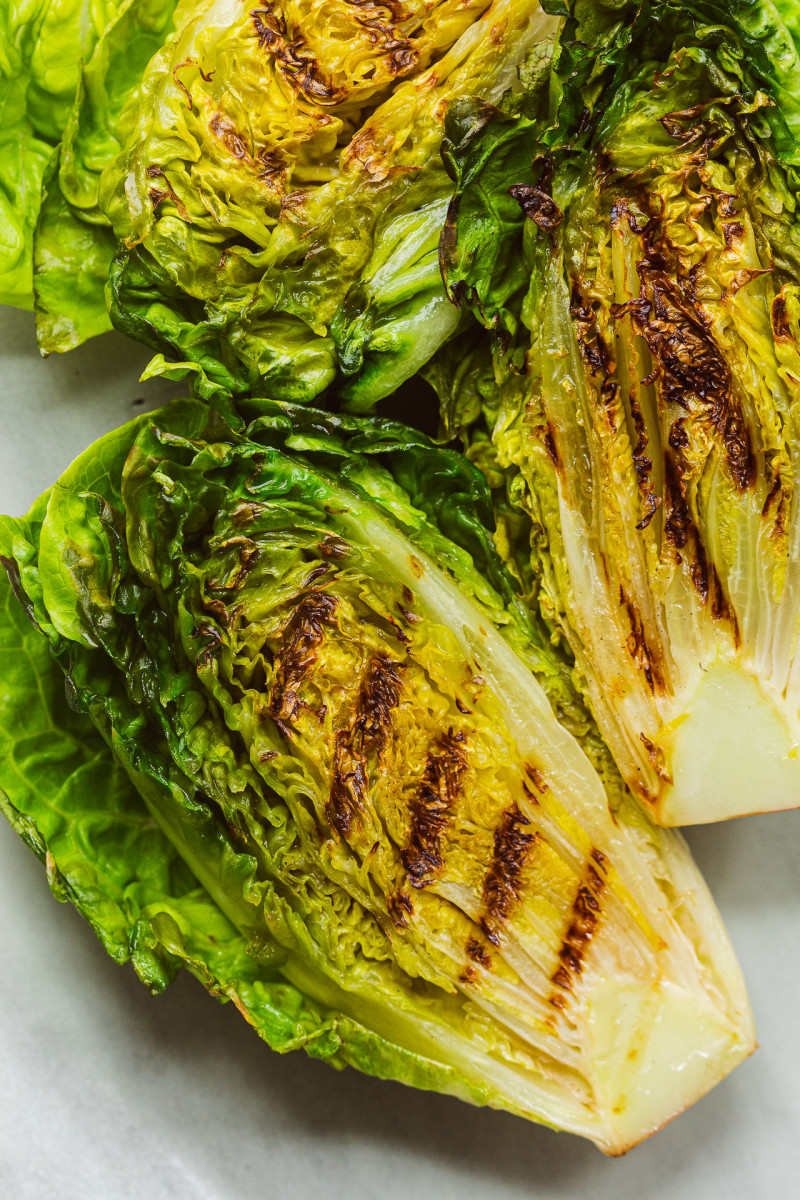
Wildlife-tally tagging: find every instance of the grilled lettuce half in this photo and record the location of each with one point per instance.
(258, 192)
(627, 233)
(361, 796)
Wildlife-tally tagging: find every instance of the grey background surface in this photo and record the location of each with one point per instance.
(107, 1094)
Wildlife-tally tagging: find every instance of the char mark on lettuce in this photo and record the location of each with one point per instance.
(349, 783)
(380, 694)
(586, 914)
(368, 730)
(513, 843)
(537, 205)
(477, 953)
(687, 363)
(636, 424)
(645, 658)
(431, 809)
(302, 637)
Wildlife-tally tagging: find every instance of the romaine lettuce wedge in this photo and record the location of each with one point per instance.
(258, 192)
(628, 234)
(77, 809)
(305, 653)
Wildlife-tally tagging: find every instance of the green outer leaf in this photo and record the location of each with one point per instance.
(70, 264)
(23, 157)
(74, 244)
(790, 12)
(42, 44)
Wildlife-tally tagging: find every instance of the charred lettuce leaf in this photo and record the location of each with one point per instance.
(304, 651)
(628, 236)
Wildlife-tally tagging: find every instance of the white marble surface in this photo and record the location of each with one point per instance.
(107, 1094)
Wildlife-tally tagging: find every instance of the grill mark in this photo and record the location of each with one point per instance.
(372, 150)
(677, 124)
(551, 447)
(689, 361)
(657, 760)
(219, 609)
(585, 915)
(367, 732)
(248, 557)
(479, 956)
(643, 463)
(246, 511)
(302, 637)
(777, 499)
(536, 776)
(780, 318)
(315, 573)
(187, 62)
(478, 953)
(746, 275)
(678, 523)
(298, 67)
(349, 783)
(293, 209)
(395, 10)
(380, 692)
(594, 350)
(409, 617)
(430, 810)
(399, 633)
(400, 908)
(733, 232)
(637, 646)
(402, 56)
(682, 533)
(305, 74)
(212, 639)
(503, 881)
(275, 170)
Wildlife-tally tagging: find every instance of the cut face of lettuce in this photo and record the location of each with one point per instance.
(272, 194)
(42, 45)
(630, 236)
(335, 719)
